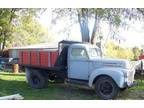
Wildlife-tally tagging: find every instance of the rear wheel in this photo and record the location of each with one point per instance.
(106, 88)
(36, 79)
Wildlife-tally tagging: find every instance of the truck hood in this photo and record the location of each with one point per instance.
(108, 62)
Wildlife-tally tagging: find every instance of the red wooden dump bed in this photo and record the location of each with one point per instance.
(46, 58)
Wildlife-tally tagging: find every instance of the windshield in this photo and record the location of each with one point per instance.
(94, 52)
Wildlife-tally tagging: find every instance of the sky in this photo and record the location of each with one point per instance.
(45, 20)
(134, 36)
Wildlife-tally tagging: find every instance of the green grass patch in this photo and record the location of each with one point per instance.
(16, 83)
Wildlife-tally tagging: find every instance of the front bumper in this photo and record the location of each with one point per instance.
(129, 79)
(129, 85)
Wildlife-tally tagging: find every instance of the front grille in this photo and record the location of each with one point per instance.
(130, 76)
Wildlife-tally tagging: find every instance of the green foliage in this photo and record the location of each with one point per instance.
(114, 51)
(136, 52)
(83, 16)
(115, 17)
(29, 32)
(19, 27)
(16, 83)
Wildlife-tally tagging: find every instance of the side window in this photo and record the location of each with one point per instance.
(79, 53)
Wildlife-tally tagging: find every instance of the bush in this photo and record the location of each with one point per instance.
(115, 51)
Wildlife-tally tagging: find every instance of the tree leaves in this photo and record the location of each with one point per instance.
(115, 51)
(84, 15)
(19, 27)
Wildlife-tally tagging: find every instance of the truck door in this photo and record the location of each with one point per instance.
(78, 65)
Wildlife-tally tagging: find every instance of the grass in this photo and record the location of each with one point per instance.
(15, 83)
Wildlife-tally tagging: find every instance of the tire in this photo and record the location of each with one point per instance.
(106, 88)
(36, 79)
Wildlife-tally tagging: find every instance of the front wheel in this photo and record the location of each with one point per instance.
(106, 88)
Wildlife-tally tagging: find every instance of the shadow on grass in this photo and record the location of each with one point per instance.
(53, 92)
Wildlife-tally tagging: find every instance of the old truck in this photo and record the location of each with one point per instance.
(79, 63)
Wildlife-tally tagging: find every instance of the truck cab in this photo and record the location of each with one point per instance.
(107, 76)
(82, 64)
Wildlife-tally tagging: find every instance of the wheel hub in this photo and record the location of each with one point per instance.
(106, 88)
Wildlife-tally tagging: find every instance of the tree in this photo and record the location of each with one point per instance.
(115, 51)
(83, 22)
(115, 17)
(84, 15)
(20, 26)
(6, 18)
(136, 52)
(28, 31)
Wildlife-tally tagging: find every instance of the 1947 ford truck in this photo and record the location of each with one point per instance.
(79, 63)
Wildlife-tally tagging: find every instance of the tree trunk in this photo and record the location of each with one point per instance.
(13, 10)
(83, 22)
(95, 29)
(4, 41)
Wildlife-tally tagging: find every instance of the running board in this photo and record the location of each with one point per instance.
(76, 81)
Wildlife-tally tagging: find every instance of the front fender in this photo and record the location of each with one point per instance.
(115, 73)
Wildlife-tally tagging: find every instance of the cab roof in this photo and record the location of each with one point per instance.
(86, 45)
